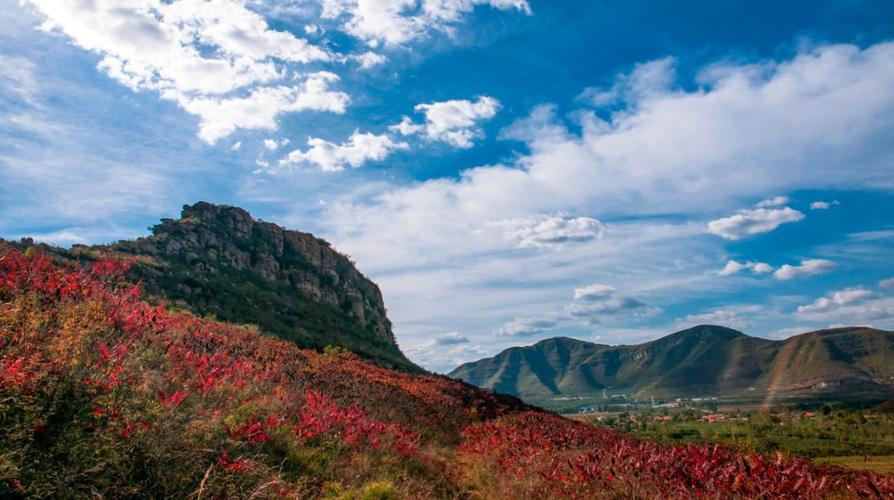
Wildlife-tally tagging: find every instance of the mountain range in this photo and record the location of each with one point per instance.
(848, 364)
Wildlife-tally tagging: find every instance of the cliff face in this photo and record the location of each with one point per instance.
(217, 261)
(208, 238)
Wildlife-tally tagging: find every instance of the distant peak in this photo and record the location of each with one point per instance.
(561, 340)
(711, 330)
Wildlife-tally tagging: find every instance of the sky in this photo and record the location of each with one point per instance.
(505, 170)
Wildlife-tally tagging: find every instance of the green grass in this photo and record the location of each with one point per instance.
(882, 464)
(839, 433)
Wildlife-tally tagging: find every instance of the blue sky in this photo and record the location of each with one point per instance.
(506, 170)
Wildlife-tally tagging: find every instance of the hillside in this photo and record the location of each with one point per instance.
(217, 261)
(105, 395)
(854, 364)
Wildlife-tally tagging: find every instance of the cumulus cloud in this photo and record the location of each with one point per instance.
(220, 117)
(593, 310)
(723, 317)
(216, 59)
(733, 267)
(273, 144)
(596, 302)
(886, 283)
(813, 121)
(823, 205)
(455, 122)
(646, 80)
(776, 201)
(836, 300)
(450, 338)
(595, 291)
(444, 358)
(395, 22)
(750, 222)
(809, 267)
(550, 231)
(331, 157)
(369, 59)
(406, 127)
(525, 327)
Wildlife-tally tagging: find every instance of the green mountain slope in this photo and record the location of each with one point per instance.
(217, 261)
(850, 363)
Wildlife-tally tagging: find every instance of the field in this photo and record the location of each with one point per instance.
(853, 438)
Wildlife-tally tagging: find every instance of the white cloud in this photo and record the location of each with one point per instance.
(646, 80)
(369, 59)
(594, 291)
(220, 117)
(886, 283)
(594, 310)
(730, 318)
(733, 267)
(444, 358)
(815, 121)
(854, 306)
(750, 222)
(550, 231)
(331, 157)
(823, 205)
(406, 127)
(776, 201)
(456, 121)
(597, 302)
(273, 144)
(164, 47)
(761, 268)
(808, 267)
(836, 300)
(784, 333)
(524, 327)
(236, 146)
(450, 338)
(394, 22)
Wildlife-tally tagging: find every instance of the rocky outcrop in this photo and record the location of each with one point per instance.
(210, 238)
(217, 261)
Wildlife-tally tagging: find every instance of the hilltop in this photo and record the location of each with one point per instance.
(218, 261)
(850, 364)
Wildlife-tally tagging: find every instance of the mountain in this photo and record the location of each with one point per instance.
(105, 395)
(217, 261)
(847, 363)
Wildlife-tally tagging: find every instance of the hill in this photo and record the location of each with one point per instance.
(105, 395)
(852, 364)
(217, 261)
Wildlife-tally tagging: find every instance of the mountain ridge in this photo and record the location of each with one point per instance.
(852, 362)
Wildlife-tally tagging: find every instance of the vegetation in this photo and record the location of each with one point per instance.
(103, 394)
(829, 433)
(218, 262)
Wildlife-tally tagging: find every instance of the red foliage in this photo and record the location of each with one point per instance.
(570, 458)
(141, 367)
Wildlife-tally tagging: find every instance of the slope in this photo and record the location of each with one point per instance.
(217, 261)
